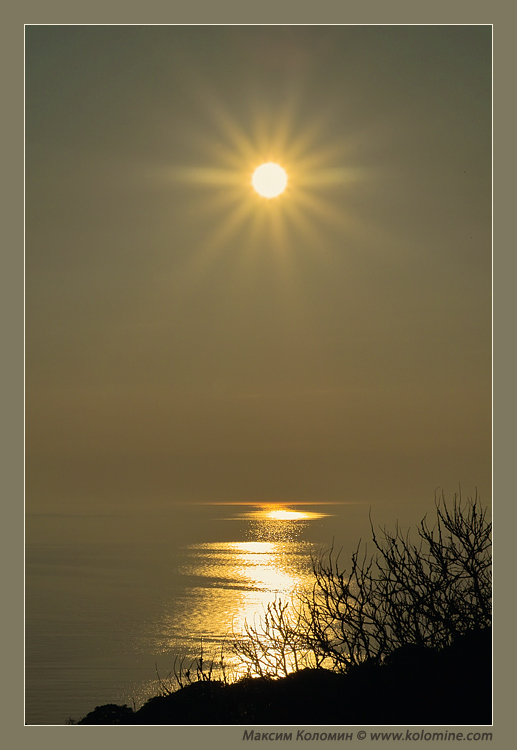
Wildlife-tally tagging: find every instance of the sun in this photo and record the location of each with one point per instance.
(269, 180)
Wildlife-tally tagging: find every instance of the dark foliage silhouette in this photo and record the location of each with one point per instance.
(424, 591)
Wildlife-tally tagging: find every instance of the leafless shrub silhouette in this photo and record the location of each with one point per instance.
(278, 643)
(186, 671)
(425, 592)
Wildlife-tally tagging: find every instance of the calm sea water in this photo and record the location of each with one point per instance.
(112, 601)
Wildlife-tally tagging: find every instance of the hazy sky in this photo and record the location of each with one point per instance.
(187, 340)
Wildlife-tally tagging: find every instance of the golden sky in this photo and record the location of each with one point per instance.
(188, 340)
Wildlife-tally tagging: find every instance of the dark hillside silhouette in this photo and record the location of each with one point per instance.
(417, 685)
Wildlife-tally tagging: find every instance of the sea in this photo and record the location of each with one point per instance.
(116, 603)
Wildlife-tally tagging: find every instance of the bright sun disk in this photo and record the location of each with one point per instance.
(269, 180)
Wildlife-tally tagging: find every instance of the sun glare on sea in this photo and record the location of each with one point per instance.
(270, 514)
(287, 515)
(269, 180)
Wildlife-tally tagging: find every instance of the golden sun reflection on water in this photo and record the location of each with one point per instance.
(232, 582)
(272, 513)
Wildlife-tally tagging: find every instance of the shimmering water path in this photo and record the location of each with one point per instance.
(112, 599)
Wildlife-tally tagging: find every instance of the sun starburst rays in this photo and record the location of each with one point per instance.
(276, 229)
